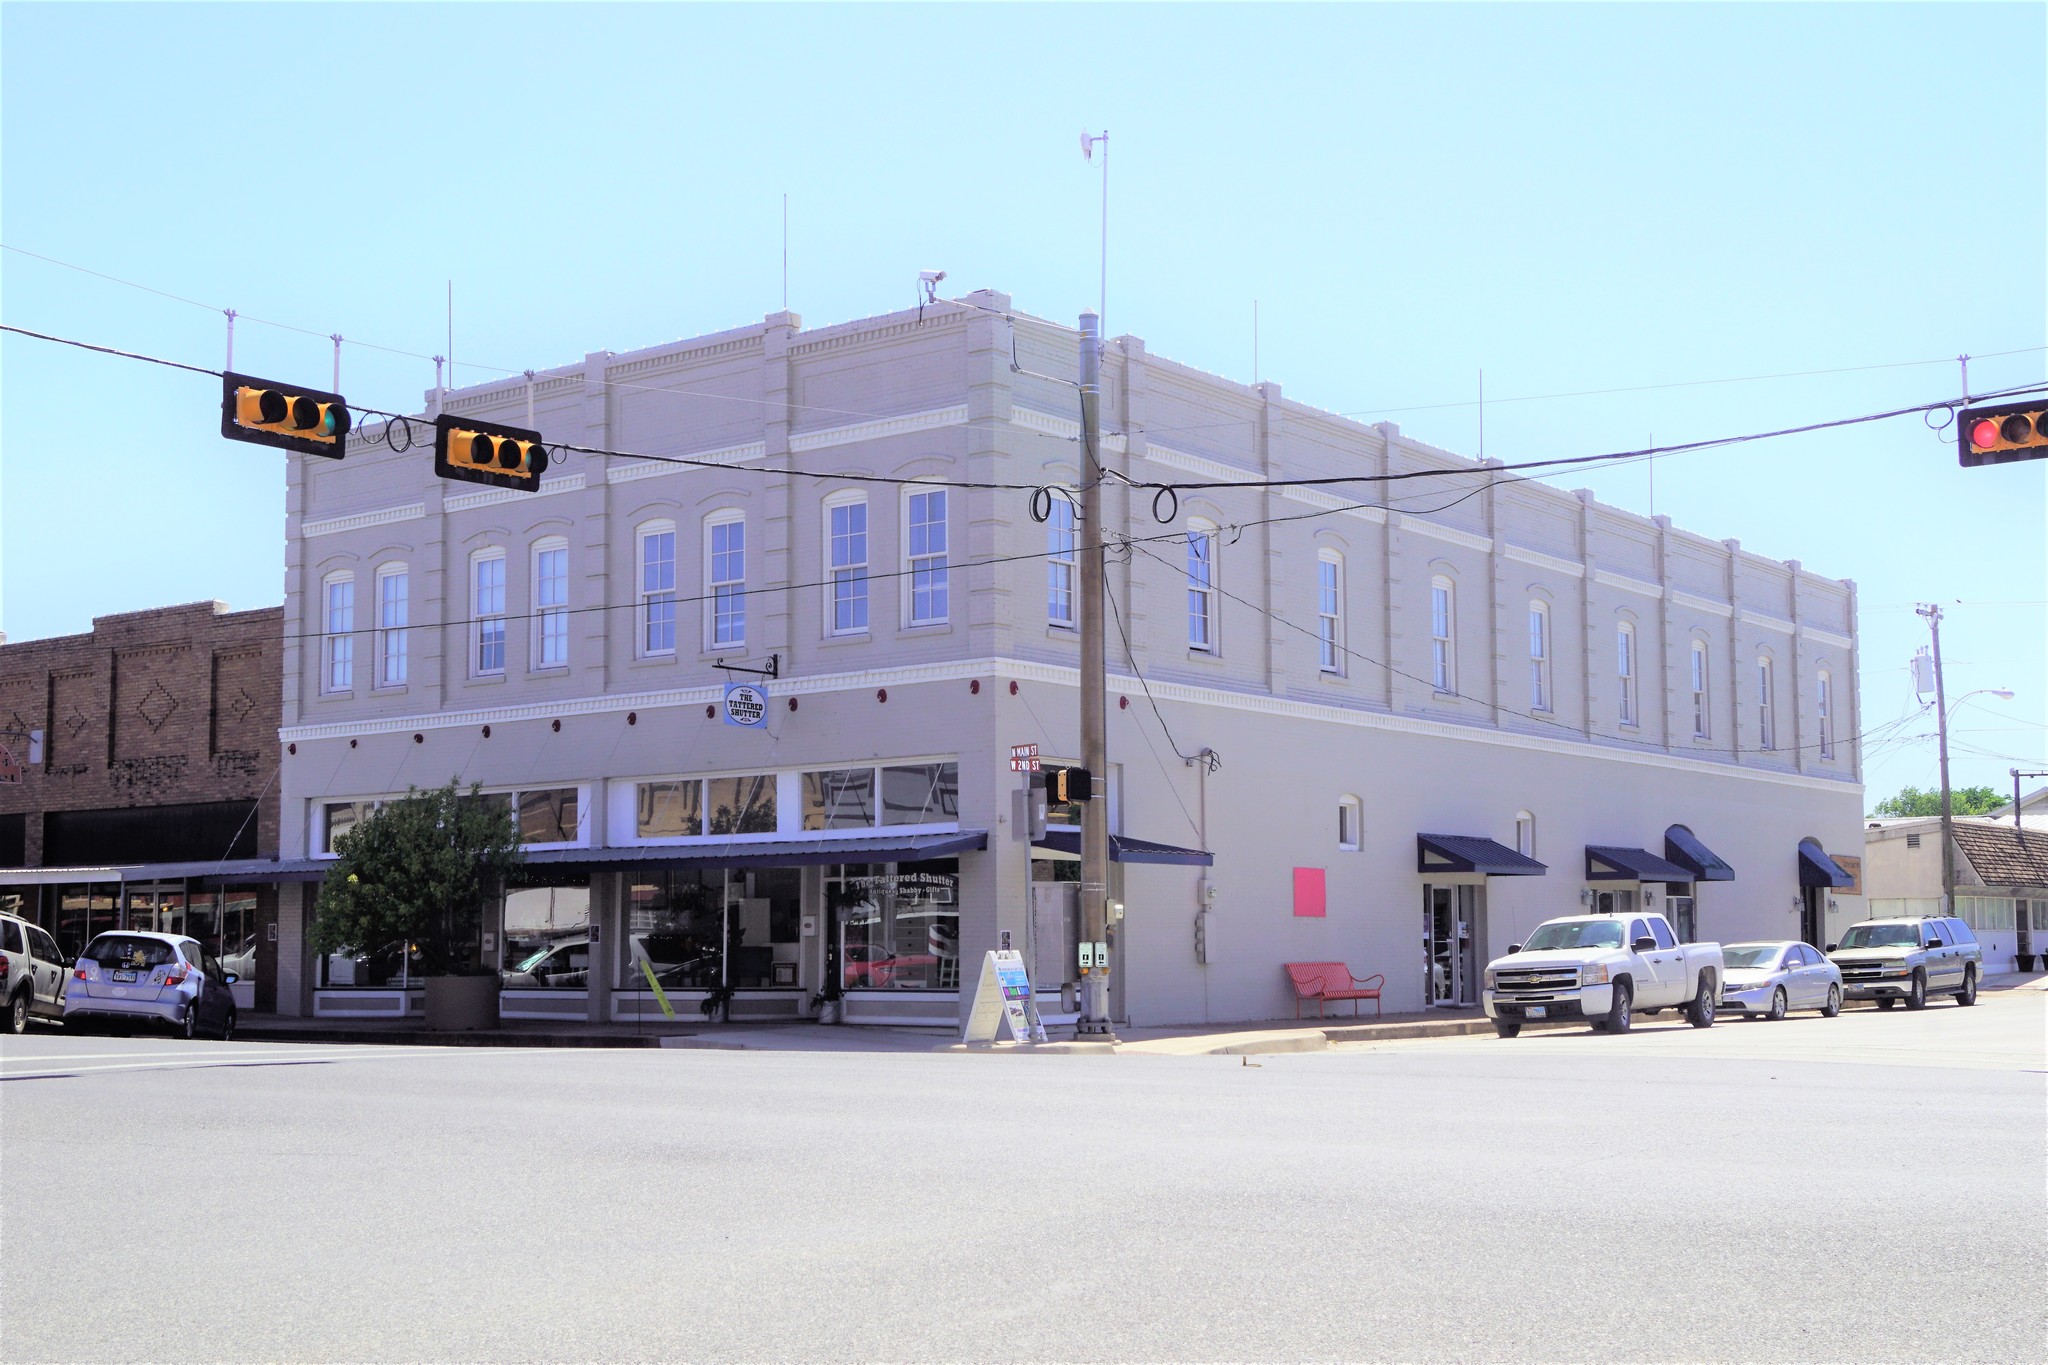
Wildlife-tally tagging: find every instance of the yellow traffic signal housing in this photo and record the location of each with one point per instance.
(485, 452)
(267, 413)
(1064, 785)
(2002, 433)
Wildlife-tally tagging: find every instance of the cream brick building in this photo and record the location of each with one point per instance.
(1518, 669)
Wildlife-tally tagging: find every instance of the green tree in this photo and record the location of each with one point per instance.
(1961, 801)
(420, 870)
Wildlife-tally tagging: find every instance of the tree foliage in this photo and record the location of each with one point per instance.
(1961, 801)
(419, 870)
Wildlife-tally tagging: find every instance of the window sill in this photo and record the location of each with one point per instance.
(851, 637)
(653, 661)
(548, 671)
(397, 689)
(1442, 695)
(335, 696)
(1207, 655)
(484, 680)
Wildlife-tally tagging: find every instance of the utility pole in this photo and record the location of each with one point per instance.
(1948, 823)
(1094, 1020)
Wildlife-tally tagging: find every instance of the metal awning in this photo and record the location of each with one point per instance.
(900, 848)
(1606, 863)
(1816, 868)
(1470, 853)
(1064, 841)
(1705, 865)
(212, 872)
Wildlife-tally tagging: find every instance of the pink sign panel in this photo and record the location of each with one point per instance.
(1308, 892)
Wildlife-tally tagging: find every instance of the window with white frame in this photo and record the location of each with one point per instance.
(1059, 560)
(1350, 824)
(394, 611)
(1539, 656)
(1201, 586)
(1625, 670)
(1330, 610)
(1766, 705)
(1525, 834)
(924, 530)
(657, 610)
(338, 643)
(725, 577)
(551, 603)
(846, 551)
(1443, 620)
(1827, 714)
(487, 613)
(1701, 728)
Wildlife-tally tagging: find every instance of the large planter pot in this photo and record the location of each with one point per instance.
(829, 1011)
(457, 1004)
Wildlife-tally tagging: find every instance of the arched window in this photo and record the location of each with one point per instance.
(1350, 824)
(394, 612)
(1059, 560)
(551, 603)
(1625, 670)
(725, 578)
(338, 624)
(657, 588)
(1701, 712)
(1201, 586)
(1525, 834)
(1443, 621)
(1539, 655)
(1330, 610)
(1766, 705)
(487, 612)
(1827, 714)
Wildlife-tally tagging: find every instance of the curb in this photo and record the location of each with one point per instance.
(423, 1038)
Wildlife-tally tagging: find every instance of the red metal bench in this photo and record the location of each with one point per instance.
(1322, 981)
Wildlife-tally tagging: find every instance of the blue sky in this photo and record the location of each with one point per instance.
(1570, 198)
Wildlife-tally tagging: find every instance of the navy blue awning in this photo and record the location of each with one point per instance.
(1705, 865)
(1605, 863)
(901, 848)
(1816, 868)
(1066, 840)
(1470, 853)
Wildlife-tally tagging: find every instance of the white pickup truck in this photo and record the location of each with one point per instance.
(1602, 968)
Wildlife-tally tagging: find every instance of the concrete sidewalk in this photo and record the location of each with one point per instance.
(1233, 1039)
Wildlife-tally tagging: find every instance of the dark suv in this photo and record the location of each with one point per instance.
(1889, 960)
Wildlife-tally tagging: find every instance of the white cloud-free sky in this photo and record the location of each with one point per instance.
(1617, 202)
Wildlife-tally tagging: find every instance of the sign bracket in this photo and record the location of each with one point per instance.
(773, 670)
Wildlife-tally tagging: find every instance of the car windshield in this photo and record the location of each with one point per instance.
(126, 952)
(1752, 955)
(1882, 936)
(1575, 933)
(534, 961)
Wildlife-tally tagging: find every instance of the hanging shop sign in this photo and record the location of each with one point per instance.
(746, 705)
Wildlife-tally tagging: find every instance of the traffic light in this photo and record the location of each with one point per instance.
(2003, 433)
(1063, 785)
(283, 415)
(485, 452)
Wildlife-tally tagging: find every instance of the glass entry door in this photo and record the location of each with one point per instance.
(1450, 939)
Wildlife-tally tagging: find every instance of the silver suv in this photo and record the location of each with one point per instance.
(32, 975)
(1889, 960)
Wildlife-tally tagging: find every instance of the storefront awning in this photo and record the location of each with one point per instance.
(1705, 865)
(212, 872)
(901, 848)
(1065, 841)
(1816, 868)
(1470, 853)
(1605, 863)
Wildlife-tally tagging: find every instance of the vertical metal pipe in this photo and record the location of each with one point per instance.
(1094, 685)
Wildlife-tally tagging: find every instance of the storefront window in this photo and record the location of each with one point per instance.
(548, 817)
(238, 931)
(740, 805)
(667, 810)
(675, 921)
(921, 794)
(764, 924)
(547, 933)
(343, 816)
(840, 798)
(83, 911)
(898, 924)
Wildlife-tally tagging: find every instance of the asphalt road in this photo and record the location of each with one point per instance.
(1869, 1188)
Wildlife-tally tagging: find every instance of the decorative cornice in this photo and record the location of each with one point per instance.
(1330, 503)
(1705, 604)
(885, 426)
(1641, 587)
(1196, 464)
(1065, 428)
(334, 525)
(1777, 623)
(1522, 554)
(1827, 637)
(1448, 534)
(462, 502)
(654, 469)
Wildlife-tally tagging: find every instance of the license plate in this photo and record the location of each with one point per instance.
(124, 976)
(1537, 1011)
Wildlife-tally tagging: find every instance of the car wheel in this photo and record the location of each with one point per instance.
(189, 1029)
(1506, 1028)
(17, 1013)
(1699, 1011)
(1777, 1010)
(1885, 1002)
(1618, 1013)
(1916, 994)
(1834, 1004)
(227, 1026)
(1968, 994)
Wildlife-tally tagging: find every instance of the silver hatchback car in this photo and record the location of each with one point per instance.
(1767, 979)
(158, 979)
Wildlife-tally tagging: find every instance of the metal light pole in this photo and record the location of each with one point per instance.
(1094, 1019)
(1948, 822)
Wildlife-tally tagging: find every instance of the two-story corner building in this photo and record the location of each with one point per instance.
(147, 756)
(1394, 724)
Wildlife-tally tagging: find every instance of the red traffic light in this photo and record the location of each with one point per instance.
(1984, 434)
(2002, 434)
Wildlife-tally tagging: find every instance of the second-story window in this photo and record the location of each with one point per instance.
(1625, 670)
(1202, 587)
(925, 525)
(1539, 656)
(847, 553)
(1700, 713)
(487, 612)
(1059, 561)
(1766, 706)
(1827, 714)
(725, 563)
(1330, 611)
(657, 589)
(1443, 621)
(394, 609)
(551, 604)
(338, 645)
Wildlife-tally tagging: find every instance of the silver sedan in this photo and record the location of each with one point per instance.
(1768, 979)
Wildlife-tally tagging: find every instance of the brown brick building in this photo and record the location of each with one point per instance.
(154, 801)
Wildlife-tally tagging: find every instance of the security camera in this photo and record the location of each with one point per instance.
(929, 280)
